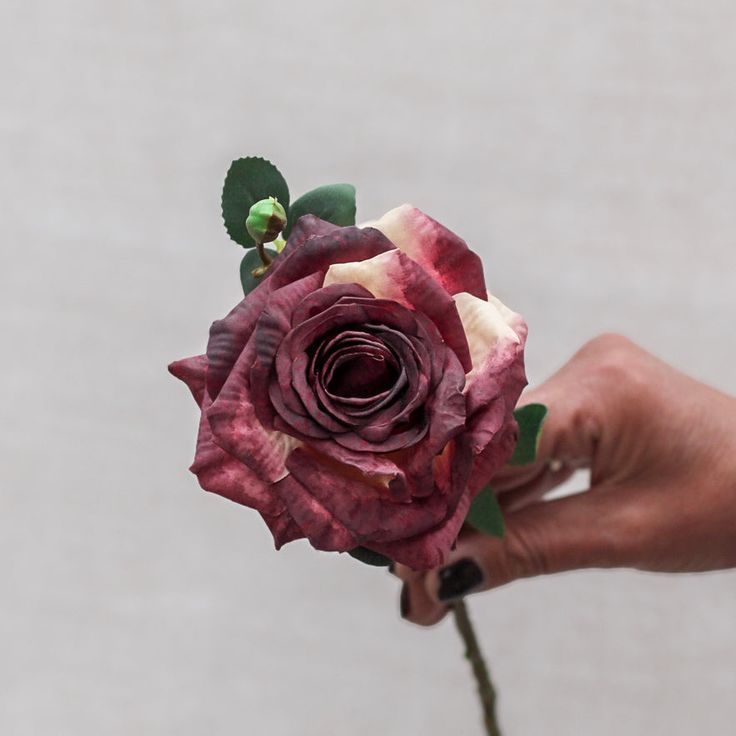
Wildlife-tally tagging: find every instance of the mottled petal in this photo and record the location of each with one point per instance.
(430, 549)
(444, 255)
(317, 253)
(221, 473)
(318, 525)
(366, 508)
(487, 324)
(496, 336)
(228, 337)
(283, 528)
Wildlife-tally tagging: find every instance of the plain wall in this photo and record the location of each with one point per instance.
(585, 149)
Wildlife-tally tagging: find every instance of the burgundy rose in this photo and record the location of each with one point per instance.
(363, 393)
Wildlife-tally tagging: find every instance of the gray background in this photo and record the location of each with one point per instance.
(585, 149)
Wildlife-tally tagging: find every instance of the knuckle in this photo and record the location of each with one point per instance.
(617, 363)
(606, 344)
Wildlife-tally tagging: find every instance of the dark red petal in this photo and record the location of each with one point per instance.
(292, 358)
(366, 509)
(221, 473)
(430, 549)
(317, 524)
(491, 400)
(228, 337)
(283, 528)
(274, 323)
(318, 253)
(446, 418)
(193, 372)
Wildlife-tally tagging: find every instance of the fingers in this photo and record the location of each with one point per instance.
(549, 476)
(584, 397)
(415, 602)
(569, 533)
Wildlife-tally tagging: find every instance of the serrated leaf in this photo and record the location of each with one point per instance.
(250, 261)
(249, 180)
(369, 557)
(530, 419)
(485, 514)
(332, 202)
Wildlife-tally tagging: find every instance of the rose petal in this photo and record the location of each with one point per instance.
(283, 528)
(235, 424)
(221, 473)
(486, 324)
(364, 508)
(273, 325)
(318, 525)
(430, 549)
(496, 336)
(317, 253)
(439, 251)
(193, 372)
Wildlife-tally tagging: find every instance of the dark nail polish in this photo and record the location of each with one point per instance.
(392, 567)
(404, 603)
(458, 579)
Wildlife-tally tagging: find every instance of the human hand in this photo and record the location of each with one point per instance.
(661, 449)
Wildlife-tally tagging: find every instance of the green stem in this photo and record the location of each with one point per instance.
(480, 670)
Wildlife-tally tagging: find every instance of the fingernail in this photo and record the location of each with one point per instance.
(392, 567)
(458, 579)
(404, 603)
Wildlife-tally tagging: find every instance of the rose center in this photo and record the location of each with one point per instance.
(362, 376)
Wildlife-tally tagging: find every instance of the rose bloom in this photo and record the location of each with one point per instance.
(363, 393)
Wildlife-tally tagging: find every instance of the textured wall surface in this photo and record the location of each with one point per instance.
(585, 149)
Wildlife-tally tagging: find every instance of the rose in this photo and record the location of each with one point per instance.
(363, 393)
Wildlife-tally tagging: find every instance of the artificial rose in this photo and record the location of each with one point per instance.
(363, 393)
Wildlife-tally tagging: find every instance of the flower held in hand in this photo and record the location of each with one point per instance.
(363, 392)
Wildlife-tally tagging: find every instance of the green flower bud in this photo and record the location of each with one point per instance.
(266, 219)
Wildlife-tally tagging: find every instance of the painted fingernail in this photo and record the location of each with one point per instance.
(404, 603)
(458, 579)
(392, 567)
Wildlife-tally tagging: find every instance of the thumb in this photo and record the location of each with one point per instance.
(578, 531)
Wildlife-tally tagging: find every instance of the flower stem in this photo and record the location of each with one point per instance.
(480, 670)
(263, 255)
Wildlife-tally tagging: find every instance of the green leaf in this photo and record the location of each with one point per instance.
(250, 261)
(369, 557)
(530, 419)
(333, 202)
(485, 514)
(248, 181)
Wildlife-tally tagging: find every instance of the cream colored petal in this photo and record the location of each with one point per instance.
(486, 324)
(372, 274)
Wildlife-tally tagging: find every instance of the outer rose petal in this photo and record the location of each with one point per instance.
(496, 336)
(321, 528)
(228, 336)
(438, 250)
(232, 416)
(317, 253)
(221, 473)
(367, 510)
(193, 372)
(283, 528)
(429, 550)
(393, 275)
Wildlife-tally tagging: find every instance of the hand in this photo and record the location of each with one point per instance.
(661, 448)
